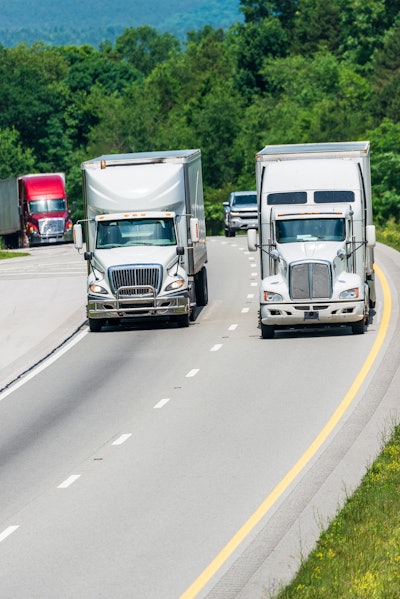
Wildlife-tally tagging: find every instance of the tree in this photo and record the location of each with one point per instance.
(255, 11)
(145, 48)
(14, 158)
(363, 26)
(30, 94)
(317, 25)
(386, 77)
(252, 43)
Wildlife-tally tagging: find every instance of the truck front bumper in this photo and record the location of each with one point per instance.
(36, 239)
(99, 307)
(241, 224)
(337, 313)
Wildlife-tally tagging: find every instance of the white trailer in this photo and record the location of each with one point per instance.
(10, 218)
(145, 236)
(316, 236)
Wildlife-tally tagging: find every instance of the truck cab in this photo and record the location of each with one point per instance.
(44, 208)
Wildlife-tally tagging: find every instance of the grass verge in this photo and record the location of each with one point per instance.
(358, 556)
(5, 254)
(359, 553)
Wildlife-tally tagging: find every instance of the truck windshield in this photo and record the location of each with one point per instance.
(56, 205)
(245, 200)
(138, 231)
(315, 229)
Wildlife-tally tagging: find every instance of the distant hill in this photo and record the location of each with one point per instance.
(80, 22)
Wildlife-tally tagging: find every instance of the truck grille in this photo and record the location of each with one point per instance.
(139, 277)
(51, 226)
(310, 280)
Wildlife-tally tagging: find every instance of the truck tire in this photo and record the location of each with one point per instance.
(182, 320)
(95, 324)
(267, 331)
(201, 287)
(358, 327)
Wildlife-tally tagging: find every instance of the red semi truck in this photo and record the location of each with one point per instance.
(34, 210)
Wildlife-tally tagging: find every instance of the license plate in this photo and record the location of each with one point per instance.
(311, 316)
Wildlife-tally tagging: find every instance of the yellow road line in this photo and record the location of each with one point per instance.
(281, 487)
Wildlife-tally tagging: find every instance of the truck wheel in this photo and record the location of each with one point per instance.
(267, 331)
(182, 320)
(201, 287)
(95, 324)
(358, 327)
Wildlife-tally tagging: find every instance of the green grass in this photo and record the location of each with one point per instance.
(389, 235)
(5, 254)
(358, 556)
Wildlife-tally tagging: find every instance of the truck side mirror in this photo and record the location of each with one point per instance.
(252, 239)
(194, 229)
(180, 250)
(78, 236)
(371, 236)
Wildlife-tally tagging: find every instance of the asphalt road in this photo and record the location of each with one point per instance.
(142, 453)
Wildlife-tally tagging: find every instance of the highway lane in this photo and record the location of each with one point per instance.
(173, 438)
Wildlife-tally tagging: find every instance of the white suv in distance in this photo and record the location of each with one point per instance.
(240, 212)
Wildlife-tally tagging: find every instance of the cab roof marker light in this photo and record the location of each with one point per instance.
(307, 213)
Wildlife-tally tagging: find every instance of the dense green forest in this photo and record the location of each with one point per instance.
(292, 71)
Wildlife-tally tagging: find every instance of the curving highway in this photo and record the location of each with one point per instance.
(151, 462)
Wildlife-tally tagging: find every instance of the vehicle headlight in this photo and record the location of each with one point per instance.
(350, 294)
(177, 284)
(235, 213)
(271, 296)
(94, 288)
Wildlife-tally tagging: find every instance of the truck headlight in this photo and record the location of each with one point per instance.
(350, 294)
(177, 284)
(271, 296)
(94, 288)
(235, 213)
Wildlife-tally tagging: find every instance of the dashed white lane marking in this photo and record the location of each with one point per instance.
(253, 284)
(7, 532)
(161, 403)
(254, 274)
(122, 439)
(216, 347)
(69, 481)
(250, 296)
(232, 327)
(192, 372)
(245, 310)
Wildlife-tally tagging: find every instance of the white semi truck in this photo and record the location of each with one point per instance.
(316, 236)
(145, 236)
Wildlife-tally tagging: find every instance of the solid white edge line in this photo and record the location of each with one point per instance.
(161, 403)
(122, 439)
(7, 532)
(69, 481)
(47, 362)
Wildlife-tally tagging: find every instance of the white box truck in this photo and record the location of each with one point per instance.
(145, 236)
(316, 236)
